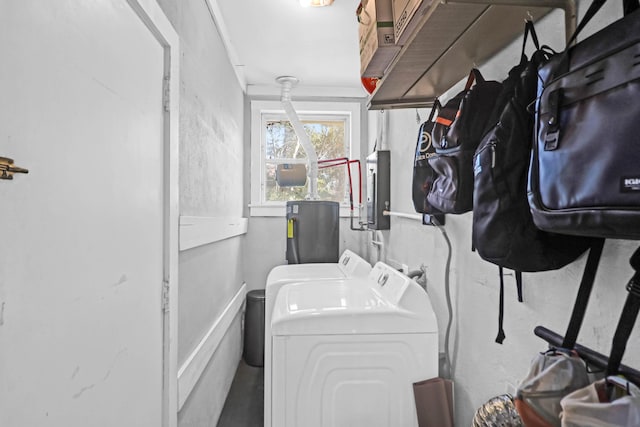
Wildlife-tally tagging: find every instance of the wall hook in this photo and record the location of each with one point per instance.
(529, 16)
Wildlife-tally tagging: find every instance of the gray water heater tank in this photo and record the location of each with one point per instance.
(312, 231)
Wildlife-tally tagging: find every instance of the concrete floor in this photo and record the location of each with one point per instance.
(244, 406)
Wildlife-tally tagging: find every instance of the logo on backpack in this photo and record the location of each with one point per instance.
(423, 173)
(630, 184)
(425, 146)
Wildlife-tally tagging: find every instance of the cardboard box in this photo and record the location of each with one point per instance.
(406, 14)
(377, 41)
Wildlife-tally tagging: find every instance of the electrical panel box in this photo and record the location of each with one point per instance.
(378, 189)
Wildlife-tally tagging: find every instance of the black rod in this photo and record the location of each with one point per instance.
(590, 356)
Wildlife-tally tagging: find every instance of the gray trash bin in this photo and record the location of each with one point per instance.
(254, 328)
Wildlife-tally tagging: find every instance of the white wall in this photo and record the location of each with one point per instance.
(211, 185)
(482, 368)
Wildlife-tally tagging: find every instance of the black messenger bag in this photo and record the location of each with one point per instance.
(584, 177)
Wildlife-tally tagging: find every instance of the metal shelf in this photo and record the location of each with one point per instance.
(452, 37)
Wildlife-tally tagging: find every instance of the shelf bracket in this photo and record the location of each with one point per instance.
(568, 6)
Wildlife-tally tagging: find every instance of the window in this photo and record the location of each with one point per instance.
(332, 129)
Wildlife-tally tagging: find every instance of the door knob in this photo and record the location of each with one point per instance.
(7, 168)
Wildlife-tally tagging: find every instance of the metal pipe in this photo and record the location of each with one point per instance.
(570, 18)
(590, 356)
(426, 219)
(403, 215)
(414, 274)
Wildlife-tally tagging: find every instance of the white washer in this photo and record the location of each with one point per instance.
(346, 353)
(348, 266)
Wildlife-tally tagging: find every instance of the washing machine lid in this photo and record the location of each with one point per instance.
(352, 306)
(349, 265)
(304, 272)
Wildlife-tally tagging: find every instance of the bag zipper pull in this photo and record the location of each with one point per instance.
(493, 154)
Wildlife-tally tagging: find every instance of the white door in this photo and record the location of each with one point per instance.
(82, 234)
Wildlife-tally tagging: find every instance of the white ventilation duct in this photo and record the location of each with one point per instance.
(287, 83)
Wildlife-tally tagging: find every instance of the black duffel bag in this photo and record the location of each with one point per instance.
(584, 177)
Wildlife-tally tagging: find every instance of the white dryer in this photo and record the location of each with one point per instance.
(348, 266)
(346, 353)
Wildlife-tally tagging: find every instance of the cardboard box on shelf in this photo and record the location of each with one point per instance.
(377, 41)
(406, 14)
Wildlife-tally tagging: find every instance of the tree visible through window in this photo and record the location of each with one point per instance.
(328, 137)
(333, 128)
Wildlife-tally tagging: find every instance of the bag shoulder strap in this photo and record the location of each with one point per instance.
(628, 6)
(435, 107)
(627, 318)
(474, 76)
(501, 335)
(584, 291)
(529, 30)
(519, 285)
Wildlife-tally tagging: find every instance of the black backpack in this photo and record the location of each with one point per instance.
(503, 231)
(423, 173)
(503, 228)
(457, 132)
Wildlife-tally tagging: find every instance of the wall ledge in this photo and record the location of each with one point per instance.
(201, 230)
(193, 367)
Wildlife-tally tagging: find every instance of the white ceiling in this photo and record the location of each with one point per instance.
(271, 38)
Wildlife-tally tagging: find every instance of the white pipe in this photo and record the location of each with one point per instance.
(382, 130)
(312, 158)
(379, 244)
(403, 215)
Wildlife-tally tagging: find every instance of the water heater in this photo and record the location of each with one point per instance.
(312, 231)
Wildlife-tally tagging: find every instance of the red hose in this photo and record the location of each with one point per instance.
(345, 161)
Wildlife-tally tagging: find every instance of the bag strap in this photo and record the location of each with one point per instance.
(627, 318)
(501, 336)
(529, 29)
(435, 107)
(563, 64)
(519, 285)
(630, 6)
(582, 299)
(474, 76)
(627, 5)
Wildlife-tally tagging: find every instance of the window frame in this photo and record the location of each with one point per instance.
(260, 108)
